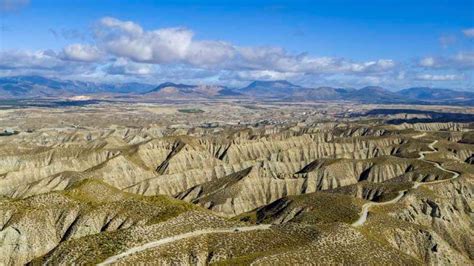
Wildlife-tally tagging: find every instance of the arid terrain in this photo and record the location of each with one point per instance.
(236, 182)
(250, 132)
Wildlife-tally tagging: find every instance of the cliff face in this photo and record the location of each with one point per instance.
(65, 194)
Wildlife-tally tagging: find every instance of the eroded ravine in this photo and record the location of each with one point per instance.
(365, 208)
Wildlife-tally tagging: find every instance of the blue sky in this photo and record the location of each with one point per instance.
(395, 44)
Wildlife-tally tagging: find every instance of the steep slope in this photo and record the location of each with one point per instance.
(34, 226)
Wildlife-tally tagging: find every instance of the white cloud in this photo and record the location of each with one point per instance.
(168, 45)
(466, 58)
(371, 80)
(42, 62)
(277, 59)
(178, 46)
(431, 77)
(161, 46)
(264, 75)
(124, 67)
(373, 66)
(469, 32)
(427, 62)
(208, 53)
(81, 52)
(462, 60)
(42, 59)
(128, 27)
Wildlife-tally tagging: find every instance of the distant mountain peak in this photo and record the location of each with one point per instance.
(271, 88)
(171, 85)
(176, 85)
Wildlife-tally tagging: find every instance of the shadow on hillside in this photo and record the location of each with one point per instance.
(427, 116)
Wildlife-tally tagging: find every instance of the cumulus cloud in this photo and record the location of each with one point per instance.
(42, 62)
(209, 53)
(129, 40)
(469, 32)
(81, 52)
(162, 46)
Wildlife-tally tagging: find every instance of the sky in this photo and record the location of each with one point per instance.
(388, 43)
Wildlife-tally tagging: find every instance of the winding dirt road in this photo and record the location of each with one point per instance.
(436, 164)
(365, 208)
(171, 239)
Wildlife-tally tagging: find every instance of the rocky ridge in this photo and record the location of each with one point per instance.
(65, 194)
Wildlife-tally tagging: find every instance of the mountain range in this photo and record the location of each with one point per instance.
(37, 86)
(41, 87)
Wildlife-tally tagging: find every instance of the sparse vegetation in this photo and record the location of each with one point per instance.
(82, 193)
